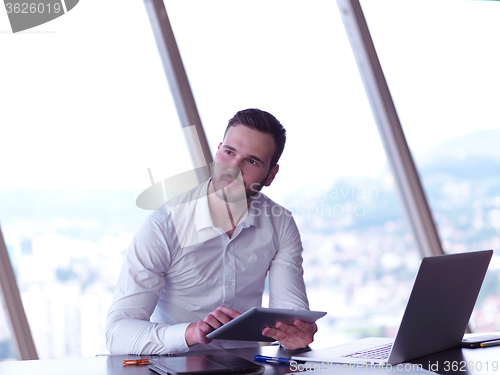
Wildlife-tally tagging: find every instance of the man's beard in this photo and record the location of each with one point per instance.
(229, 186)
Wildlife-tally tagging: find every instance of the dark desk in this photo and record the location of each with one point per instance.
(463, 361)
(449, 362)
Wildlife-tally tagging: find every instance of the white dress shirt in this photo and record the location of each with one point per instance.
(179, 267)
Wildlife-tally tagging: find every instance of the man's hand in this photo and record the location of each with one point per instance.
(196, 333)
(296, 336)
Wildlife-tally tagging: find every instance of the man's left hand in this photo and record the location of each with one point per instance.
(292, 337)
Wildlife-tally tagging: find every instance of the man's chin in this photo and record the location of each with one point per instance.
(231, 195)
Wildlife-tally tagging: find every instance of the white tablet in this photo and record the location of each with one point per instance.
(249, 325)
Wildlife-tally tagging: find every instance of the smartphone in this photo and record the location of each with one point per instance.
(476, 341)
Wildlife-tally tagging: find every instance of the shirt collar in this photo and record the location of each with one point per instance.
(203, 219)
(251, 219)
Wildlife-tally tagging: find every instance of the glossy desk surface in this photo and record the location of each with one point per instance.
(454, 361)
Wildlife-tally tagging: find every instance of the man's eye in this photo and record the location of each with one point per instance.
(252, 161)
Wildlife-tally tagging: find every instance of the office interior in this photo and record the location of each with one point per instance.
(392, 153)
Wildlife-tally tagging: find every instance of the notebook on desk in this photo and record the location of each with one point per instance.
(436, 316)
(220, 363)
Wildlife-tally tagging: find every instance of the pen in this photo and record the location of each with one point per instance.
(139, 362)
(263, 358)
(490, 343)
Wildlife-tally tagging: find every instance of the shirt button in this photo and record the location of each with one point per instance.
(229, 283)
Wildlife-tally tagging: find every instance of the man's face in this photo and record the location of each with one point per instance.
(241, 165)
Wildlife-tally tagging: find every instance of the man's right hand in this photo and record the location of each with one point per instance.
(196, 333)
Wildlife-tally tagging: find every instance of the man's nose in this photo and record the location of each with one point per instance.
(236, 162)
(235, 166)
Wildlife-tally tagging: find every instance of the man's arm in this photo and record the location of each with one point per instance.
(287, 289)
(128, 329)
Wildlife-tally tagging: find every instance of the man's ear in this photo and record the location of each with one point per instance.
(218, 148)
(272, 173)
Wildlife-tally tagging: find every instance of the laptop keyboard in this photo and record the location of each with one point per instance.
(380, 352)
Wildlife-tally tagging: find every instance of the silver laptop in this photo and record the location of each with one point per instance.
(435, 319)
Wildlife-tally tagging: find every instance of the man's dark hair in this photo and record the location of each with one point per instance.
(264, 122)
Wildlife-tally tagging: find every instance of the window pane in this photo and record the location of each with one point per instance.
(86, 109)
(295, 61)
(6, 345)
(442, 69)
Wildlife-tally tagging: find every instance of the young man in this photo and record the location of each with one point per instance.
(200, 262)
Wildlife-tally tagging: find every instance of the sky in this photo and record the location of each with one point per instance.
(84, 100)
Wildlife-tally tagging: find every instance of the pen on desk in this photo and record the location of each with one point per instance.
(490, 343)
(139, 362)
(263, 358)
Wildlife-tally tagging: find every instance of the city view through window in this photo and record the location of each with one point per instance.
(445, 86)
(75, 163)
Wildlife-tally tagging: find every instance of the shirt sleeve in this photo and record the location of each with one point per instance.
(128, 326)
(286, 275)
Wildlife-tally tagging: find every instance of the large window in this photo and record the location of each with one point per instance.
(86, 109)
(294, 60)
(441, 63)
(6, 344)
